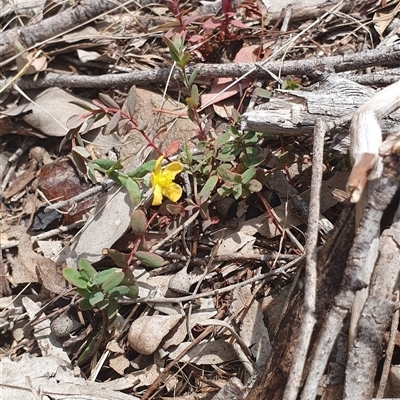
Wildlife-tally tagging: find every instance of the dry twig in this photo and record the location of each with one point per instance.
(307, 326)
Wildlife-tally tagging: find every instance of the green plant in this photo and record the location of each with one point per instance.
(119, 121)
(100, 290)
(238, 185)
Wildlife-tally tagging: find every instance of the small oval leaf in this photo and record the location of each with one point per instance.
(74, 278)
(108, 101)
(96, 298)
(135, 195)
(149, 259)
(139, 222)
(112, 282)
(86, 269)
(102, 276)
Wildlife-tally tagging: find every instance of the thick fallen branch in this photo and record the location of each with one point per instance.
(377, 313)
(271, 381)
(34, 35)
(389, 57)
(353, 280)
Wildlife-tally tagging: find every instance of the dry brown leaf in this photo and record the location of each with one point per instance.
(21, 181)
(252, 329)
(147, 332)
(207, 352)
(51, 111)
(119, 363)
(27, 270)
(383, 17)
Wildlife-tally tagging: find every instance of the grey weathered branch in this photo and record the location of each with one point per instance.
(353, 280)
(389, 56)
(375, 318)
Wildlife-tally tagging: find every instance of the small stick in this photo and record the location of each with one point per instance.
(307, 326)
(176, 231)
(278, 271)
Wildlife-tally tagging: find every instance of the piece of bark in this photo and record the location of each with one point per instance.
(271, 381)
(375, 318)
(293, 112)
(366, 137)
(353, 279)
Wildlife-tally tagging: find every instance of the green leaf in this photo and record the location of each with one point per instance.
(75, 121)
(91, 172)
(248, 174)
(119, 177)
(150, 259)
(193, 77)
(74, 278)
(84, 292)
(254, 161)
(254, 186)
(184, 59)
(222, 140)
(285, 157)
(118, 292)
(191, 103)
(112, 126)
(135, 195)
(79, 161)
(107, 166)
(194, 93)
(108, 101)
(102, 276)
(89, 123)
(130, 102)
(265, 94)
(187, 154)
(112, 309)
(252, 137)
(81, 151)
(113, 281)
(139, 222)
(130, 281)
(81, 105)
(208, 187)
(86, 269)
(143, 170)
(119, 258)
(85, 305)
(174, 51)
(237, 191)
(233, 130)
(224, 190)
(96, 298)
(101, 305)
(225, 174)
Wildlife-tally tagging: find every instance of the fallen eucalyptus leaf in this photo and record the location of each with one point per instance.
(147, 332)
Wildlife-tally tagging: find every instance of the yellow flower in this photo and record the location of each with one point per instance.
(161, 182)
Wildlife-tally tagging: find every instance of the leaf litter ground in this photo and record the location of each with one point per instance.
(211, 312)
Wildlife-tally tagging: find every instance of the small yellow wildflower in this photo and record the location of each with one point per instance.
(161, 182)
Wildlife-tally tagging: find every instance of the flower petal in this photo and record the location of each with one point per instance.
(157, 195)
(173, 191)
(157, 167)
(173, 169)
